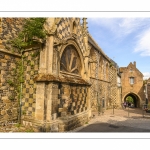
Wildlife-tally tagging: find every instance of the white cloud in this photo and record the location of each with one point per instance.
(146, 75)
(122, 27)
(143, 43)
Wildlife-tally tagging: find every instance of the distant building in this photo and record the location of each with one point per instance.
(132, 84)
(147, 91)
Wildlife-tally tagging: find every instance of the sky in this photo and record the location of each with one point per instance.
(124, 40)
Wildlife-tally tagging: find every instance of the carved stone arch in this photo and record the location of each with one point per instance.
(137, 99)
(72, 57)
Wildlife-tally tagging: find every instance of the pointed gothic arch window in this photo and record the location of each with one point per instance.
(70, 60)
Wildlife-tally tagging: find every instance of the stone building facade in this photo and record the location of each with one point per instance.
(147, 91)
(9, 59)
(132, 84)
(62, 83)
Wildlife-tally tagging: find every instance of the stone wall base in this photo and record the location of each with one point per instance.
(58, 125)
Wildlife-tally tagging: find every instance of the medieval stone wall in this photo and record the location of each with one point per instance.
(113, 87)
(1, 33)
(10, 28)
(73, 100)
(8, 95)
(55, 89)
(71, 26)
(99, 79)
(9, 60)
(148, 90)
(30, 70)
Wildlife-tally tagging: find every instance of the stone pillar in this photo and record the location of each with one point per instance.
(86, 63)
(43, 60)
(49, 101)
(40, 98)
(87, 50)
(89, 103)
(50, 41)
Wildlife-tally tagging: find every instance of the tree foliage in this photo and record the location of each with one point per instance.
(32, 33)
(129, 99)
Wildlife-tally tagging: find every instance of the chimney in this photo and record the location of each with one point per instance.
(134, 63)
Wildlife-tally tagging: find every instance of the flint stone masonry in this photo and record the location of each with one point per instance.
(10, 28)
(8, 106)
(63, 79)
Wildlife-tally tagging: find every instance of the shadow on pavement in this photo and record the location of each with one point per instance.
(106, 127)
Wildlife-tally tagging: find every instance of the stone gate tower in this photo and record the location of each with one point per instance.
(132, 84)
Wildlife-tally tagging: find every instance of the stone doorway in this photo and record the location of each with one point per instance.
(136, 99)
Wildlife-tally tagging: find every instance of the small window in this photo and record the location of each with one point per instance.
(131, 80)
(131, 70)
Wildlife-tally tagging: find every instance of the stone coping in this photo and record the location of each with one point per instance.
(10, 53)
(62, 79)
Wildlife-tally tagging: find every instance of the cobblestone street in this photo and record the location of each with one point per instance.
(128, 120)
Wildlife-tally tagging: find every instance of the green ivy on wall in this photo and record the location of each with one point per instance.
(32, 33)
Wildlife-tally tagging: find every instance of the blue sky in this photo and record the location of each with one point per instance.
(124, 40)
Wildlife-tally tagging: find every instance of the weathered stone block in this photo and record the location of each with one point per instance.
(54, 128)
(7, 57)
(63, 114)
(60, 109)
(3, 112)
(54, 116)
(3, 60)
(4, 64)
(31, 90)
(31, 82)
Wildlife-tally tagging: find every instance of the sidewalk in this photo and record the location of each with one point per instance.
(132, 117)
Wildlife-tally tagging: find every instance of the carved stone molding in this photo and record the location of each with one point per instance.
(51, 25)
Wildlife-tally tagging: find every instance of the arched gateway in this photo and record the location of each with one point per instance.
(136, 99)
(132, 84)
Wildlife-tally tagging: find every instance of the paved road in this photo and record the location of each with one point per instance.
(131, 120)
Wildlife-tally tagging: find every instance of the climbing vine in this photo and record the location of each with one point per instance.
(17, 74)
(32, 33)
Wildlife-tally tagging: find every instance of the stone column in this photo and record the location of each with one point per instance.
(43, 60)
(40, 98)
(50, 41)
(89, 102)
(49, 101)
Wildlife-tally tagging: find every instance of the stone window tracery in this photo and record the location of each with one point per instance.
(70, 61)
